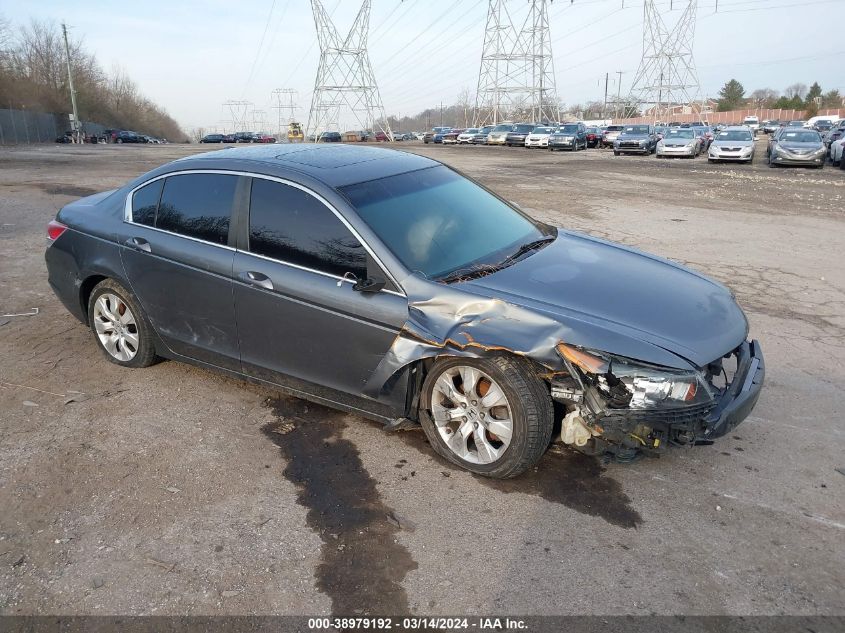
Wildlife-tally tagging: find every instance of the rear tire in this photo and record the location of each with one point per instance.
(462, 428)
(121, 329)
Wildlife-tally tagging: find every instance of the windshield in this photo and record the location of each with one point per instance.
(429, 219)
(735, 135)
(807, 136)
(636, 129)
(613, 128)
(542, 130)
(592, 130)
(796, 124)
(471, 130)
(680, 133)
(523, 128)
(568, 129)
(503, 128)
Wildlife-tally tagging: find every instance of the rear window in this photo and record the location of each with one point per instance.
(197, 205)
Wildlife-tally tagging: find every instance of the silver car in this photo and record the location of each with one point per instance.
(732, 143)
(499, 134)
(679, 141)
(798, 146)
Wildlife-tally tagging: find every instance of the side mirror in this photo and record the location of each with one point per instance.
(369, 285)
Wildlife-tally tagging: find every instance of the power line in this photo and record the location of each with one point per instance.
(258, 52)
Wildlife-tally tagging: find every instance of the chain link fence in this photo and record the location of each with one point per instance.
(26, 126)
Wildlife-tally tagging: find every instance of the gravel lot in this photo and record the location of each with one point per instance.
(173, 490)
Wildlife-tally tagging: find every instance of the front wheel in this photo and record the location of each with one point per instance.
(120, 327)
(491, 416)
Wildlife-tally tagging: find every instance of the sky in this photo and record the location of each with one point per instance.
(192, 56)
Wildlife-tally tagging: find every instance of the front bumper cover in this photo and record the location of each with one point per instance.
(652, 430)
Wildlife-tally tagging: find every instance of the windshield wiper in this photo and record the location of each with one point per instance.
(526, 248)
(480, 270)
(470, 272)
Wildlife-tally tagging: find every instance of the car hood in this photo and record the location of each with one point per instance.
(793, 146)
(719, 143)
(633, 137)
(605, 290)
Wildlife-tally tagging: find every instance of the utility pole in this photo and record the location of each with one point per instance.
(441, 114)
(75, 125)
(604, 109)
(618, 95)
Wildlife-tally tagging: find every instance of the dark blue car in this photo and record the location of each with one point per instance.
(358, 277)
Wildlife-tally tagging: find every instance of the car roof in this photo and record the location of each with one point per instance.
(333, 165)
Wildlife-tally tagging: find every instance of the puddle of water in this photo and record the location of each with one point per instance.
(362, 565)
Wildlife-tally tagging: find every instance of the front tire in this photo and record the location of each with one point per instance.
(491, 416)
(120, 328)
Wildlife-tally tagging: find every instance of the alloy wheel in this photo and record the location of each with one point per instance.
(116, 327)
(472, 414)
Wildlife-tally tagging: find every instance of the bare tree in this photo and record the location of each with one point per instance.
(764, 97)
(465, 104)
(796, 90)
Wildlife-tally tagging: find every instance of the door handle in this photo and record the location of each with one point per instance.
(259, 280)
(139, 244)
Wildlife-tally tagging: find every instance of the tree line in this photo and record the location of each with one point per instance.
(33, 75)
(796, 97)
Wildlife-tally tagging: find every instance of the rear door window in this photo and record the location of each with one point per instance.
(292, 226)
(145, 203)
(197, 205)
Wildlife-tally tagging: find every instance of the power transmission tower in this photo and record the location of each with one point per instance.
(517, 78)
(666, 77)
(345, 79)
(238, 114)
(284, 101)
(259, 121)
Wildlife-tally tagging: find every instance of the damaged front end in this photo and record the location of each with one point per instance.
(625, 407)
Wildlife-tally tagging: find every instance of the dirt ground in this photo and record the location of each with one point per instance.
(173, 490)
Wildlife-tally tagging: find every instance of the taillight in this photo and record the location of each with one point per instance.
(55, 229)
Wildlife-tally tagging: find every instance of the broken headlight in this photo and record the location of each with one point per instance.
(637, 385)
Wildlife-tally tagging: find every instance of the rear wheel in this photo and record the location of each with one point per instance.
(119, 325)
(491, 416)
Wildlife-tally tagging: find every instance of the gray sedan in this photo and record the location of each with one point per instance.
(357, 277)
(798, 146)
(733, 143)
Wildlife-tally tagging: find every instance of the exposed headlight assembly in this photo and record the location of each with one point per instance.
(637, 385)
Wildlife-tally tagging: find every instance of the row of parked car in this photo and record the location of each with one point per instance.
(113, 136)
(790, 143)
(238, 137)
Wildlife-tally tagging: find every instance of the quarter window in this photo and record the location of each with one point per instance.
(197, 205)
(290, 225)
(145, 203)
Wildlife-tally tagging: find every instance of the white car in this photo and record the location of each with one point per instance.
(539, 137)
(753, 122)
(679, 141)
(465, 137)
(837, 151)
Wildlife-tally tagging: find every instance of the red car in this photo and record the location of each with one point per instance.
(451, 137)
(593, 136)
(381, 136)
(263, 138)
